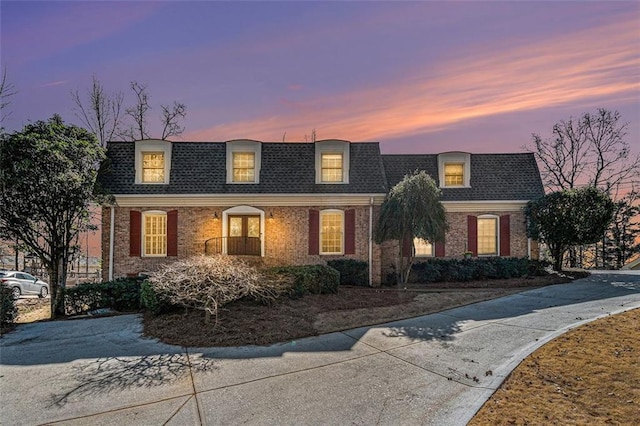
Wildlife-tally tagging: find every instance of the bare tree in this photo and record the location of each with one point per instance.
(170, 119)
(7, 90)
(311, 138)
(138, 113)
(101, 113)
(588, 150)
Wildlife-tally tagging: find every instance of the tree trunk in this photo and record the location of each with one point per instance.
(558, 253)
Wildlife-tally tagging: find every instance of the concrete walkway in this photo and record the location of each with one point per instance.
(435, 369)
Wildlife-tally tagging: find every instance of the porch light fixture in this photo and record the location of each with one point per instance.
(215, 216)
(270, 215)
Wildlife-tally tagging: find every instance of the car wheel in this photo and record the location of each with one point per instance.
(44, 292)
(16, 292)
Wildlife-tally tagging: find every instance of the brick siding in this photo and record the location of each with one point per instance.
(286, 237)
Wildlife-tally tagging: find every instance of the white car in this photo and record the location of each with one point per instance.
(22, 284)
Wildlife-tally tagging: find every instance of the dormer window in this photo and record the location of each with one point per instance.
(332, 167)
(244, 167)
(332, 161)
(243, 161)
(453, 174)
(153, 167)
(152, 162)
(454, 170)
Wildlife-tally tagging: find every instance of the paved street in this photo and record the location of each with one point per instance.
(427, 370)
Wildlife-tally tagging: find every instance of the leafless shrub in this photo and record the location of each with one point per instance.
(209, 282)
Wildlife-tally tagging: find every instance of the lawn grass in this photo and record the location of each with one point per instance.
(590, 375)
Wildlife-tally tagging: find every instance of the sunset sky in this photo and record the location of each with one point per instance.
(415, 76)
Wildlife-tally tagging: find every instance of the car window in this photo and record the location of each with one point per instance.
(2, 274)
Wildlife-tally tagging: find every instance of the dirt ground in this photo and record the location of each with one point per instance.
(246, 323)
(590, 375)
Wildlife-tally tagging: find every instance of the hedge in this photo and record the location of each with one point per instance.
(122, 294)
(483, 268)
(314, 279)
(8, 309)
(352, 272)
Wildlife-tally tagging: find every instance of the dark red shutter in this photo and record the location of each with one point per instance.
(172, 233)
(314, 232)
(472, 234)
(505, 235)
(135, 233)
(440, 249)
(407, 247)
(350, 232)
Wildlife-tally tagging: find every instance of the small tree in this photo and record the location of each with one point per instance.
(412, 209)
(47, 177)
(569, 217)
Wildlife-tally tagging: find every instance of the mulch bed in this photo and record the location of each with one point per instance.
(248, 323)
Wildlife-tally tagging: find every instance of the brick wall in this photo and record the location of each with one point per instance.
(286, 237)
(456, 239)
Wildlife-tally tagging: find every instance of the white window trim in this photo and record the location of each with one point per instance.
(497, 218)
(244, 146)
(455, 158)
(333, 147)
(330, 211)
(153, 145)
(433, 249)
(143, 234)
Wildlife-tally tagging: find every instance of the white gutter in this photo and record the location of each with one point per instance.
(371, 243)
(529, 248)
(112, 231)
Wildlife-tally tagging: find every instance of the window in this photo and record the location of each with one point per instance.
(244, 167)
(332, 161)
(331, 167)
(488, 236)
(454, 170)
(243, 161)
(154, 238)
(422, 247)
(152, 162)
(331, 232)
(153, 167)
(453, 174)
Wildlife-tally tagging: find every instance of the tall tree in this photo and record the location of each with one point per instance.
(590, 150)
(412, 209)
(47, 176)
(569, 217)
(100, 112)
(623, 231)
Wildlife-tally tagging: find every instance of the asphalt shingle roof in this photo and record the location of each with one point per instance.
(498, 177)
(200, 168)
(289, 168)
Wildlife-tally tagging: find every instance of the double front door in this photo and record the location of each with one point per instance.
(244, 235)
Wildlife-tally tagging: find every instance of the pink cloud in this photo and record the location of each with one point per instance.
(599, 63)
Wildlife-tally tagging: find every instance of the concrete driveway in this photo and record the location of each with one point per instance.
(434, 369)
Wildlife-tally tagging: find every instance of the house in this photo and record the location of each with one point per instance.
(299, 203)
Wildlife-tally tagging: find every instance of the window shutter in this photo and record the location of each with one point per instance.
(505, 235)
(314, 232)
(439, 247)
(172, 233)
(407, 247)
(135, 233)
(472, 234)
(350, 232)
